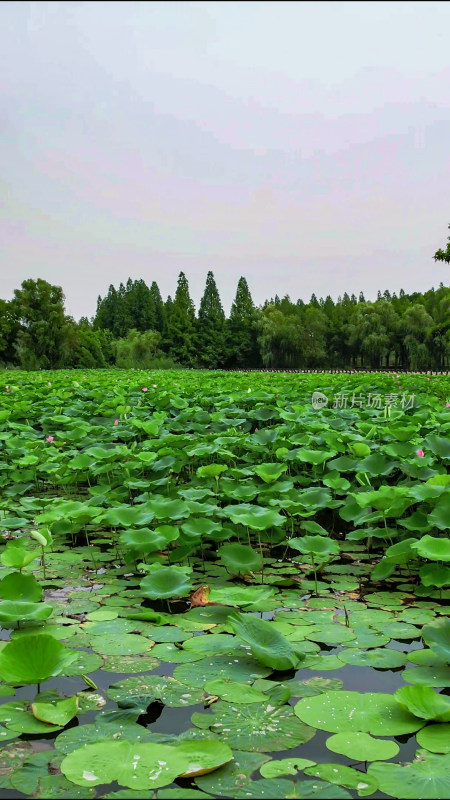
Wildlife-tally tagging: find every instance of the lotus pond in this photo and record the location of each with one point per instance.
(208, 588)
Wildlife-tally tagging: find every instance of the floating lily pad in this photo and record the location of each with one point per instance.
(368, 712)
(212, 644)
(401, 630)
(368, 638)
(344, 776)
(17, 717)
(427, 776)
(234, 776)
(430, 676)
(331, 634)
(73, 738)
(125, 645)
(167, 651)
(259, 727)
(134, 764)
(426, 658)
(234, 692)
(362, 747)
(435, 738)
(204, 756)
(285, 766)
(102, 614)
(83, 663)
(145, 689)
(241, 669)
(273, 788)
(59, 713)
(133, 664)
(322, 663)
(313, 686)
(382, 658)
(12, 756)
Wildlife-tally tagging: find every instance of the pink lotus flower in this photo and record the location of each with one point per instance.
(420, 453)
(50, 439)
(145, 389)
(7, 388)
(49, 383)
(116, 422)
(447, 405)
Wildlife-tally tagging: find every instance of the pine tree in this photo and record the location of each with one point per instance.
(181, 325)
(139, 306)
(105, 318)
(158, 316)
(122, 321)
(210, 327)
(242, 348)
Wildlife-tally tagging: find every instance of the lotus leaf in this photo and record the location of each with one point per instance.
(165, 582)
(423, 702)
(240, 559)
(137, 765)
(437, 636)
(204, 756)
(436, 549)
(58, 713)
(427, 776)
(362, 747)
(267, 645)
(378, 714)
(435, 738)
(260, 727)
(34, 659)
(18, 587)
(344, 776)
(284, 766)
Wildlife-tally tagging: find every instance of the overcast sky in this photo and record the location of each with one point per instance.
(304, 145)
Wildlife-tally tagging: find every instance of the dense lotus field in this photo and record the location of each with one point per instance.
(210, 588)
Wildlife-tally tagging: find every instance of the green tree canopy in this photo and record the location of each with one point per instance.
(443, 255)
(181, 325)
(39, 310)
(210, 327)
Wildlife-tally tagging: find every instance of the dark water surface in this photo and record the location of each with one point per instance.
(174, 721)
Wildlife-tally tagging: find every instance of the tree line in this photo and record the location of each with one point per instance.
(134, 327)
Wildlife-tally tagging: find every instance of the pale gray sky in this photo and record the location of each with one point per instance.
(304, 145)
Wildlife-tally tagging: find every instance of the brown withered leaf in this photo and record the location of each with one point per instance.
(200, 597)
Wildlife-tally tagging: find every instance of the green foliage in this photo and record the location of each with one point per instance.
(39, 310)
(158, 513)
(443, 255)
(404, 331)
(210, 327)
(139, 350)
(181, 325)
